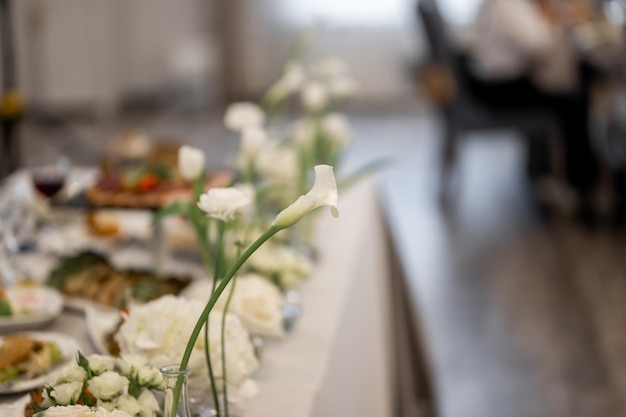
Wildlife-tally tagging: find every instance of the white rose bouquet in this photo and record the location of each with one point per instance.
(163, 342)
(103, 386)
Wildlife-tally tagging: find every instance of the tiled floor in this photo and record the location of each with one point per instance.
(521, 318)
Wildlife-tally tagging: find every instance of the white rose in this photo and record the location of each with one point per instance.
(336, 127)
(119, 413)
(100, 363)
(161, 341)
(253, 139)
(129, 364)
(314, 96)
(149, 376)
(107, 405)
(108, 385)
(223, 203)
(128, 404)
(256, 301)
(148, 403)
(242, 115)
(177, 318)
(67, 393)
(104, 412)
(289, 265)
(258, 304)
(66, 411)
(71, 373)
(191, 162)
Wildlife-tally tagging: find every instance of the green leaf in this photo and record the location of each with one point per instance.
(83, 362)
(134, 388)
(177, 208)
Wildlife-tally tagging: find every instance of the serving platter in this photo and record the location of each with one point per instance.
(36, 307)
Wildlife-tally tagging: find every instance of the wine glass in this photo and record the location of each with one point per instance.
(49, 174)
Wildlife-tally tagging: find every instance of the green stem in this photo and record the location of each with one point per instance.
(209, 306)
(223, 341)
(204, 244)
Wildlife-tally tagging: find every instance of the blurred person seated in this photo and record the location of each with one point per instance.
(521, 55)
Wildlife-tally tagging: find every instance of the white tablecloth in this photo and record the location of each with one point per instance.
(338, 359)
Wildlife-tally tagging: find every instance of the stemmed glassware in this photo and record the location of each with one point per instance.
(48, 172)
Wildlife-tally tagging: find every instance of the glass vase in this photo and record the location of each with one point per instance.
(172, 375)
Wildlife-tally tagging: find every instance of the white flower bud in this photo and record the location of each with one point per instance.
(242, 115)
(314, 96)
(128, 403)
(100, 363)
(72, 373)
(67, 393)
(252, 141)
(191, 162)
(108, 385)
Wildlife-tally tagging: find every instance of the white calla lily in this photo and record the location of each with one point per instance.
(323, 193)
(224, 203)
(190, 162)
(242, 115)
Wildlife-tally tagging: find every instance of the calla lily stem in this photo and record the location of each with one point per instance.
(209, 306)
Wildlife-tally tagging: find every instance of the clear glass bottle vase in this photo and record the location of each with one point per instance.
(171, 377)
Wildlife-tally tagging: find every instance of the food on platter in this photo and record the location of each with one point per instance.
(90, 276)
(150, 186)
(28, 306)
(22, 355)
(137, 172)
(102, 224)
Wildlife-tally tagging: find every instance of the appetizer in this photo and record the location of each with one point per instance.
(22, 355)
(90, 276)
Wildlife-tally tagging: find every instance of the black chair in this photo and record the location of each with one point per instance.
(465, 112)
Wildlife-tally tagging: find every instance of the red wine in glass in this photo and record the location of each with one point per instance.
(49, 180)
(49, 187)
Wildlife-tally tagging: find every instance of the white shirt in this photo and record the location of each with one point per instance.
(510, 39)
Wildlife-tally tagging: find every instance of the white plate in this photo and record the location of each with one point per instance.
(101, 321)
(68, 347)
(36, 308)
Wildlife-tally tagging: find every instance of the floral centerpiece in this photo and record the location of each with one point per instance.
(102, 386)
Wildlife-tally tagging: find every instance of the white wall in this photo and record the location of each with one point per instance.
(94, 52)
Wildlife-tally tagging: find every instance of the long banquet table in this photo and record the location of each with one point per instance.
(343, 356)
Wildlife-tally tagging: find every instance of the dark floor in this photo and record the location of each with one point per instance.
(521, 318)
